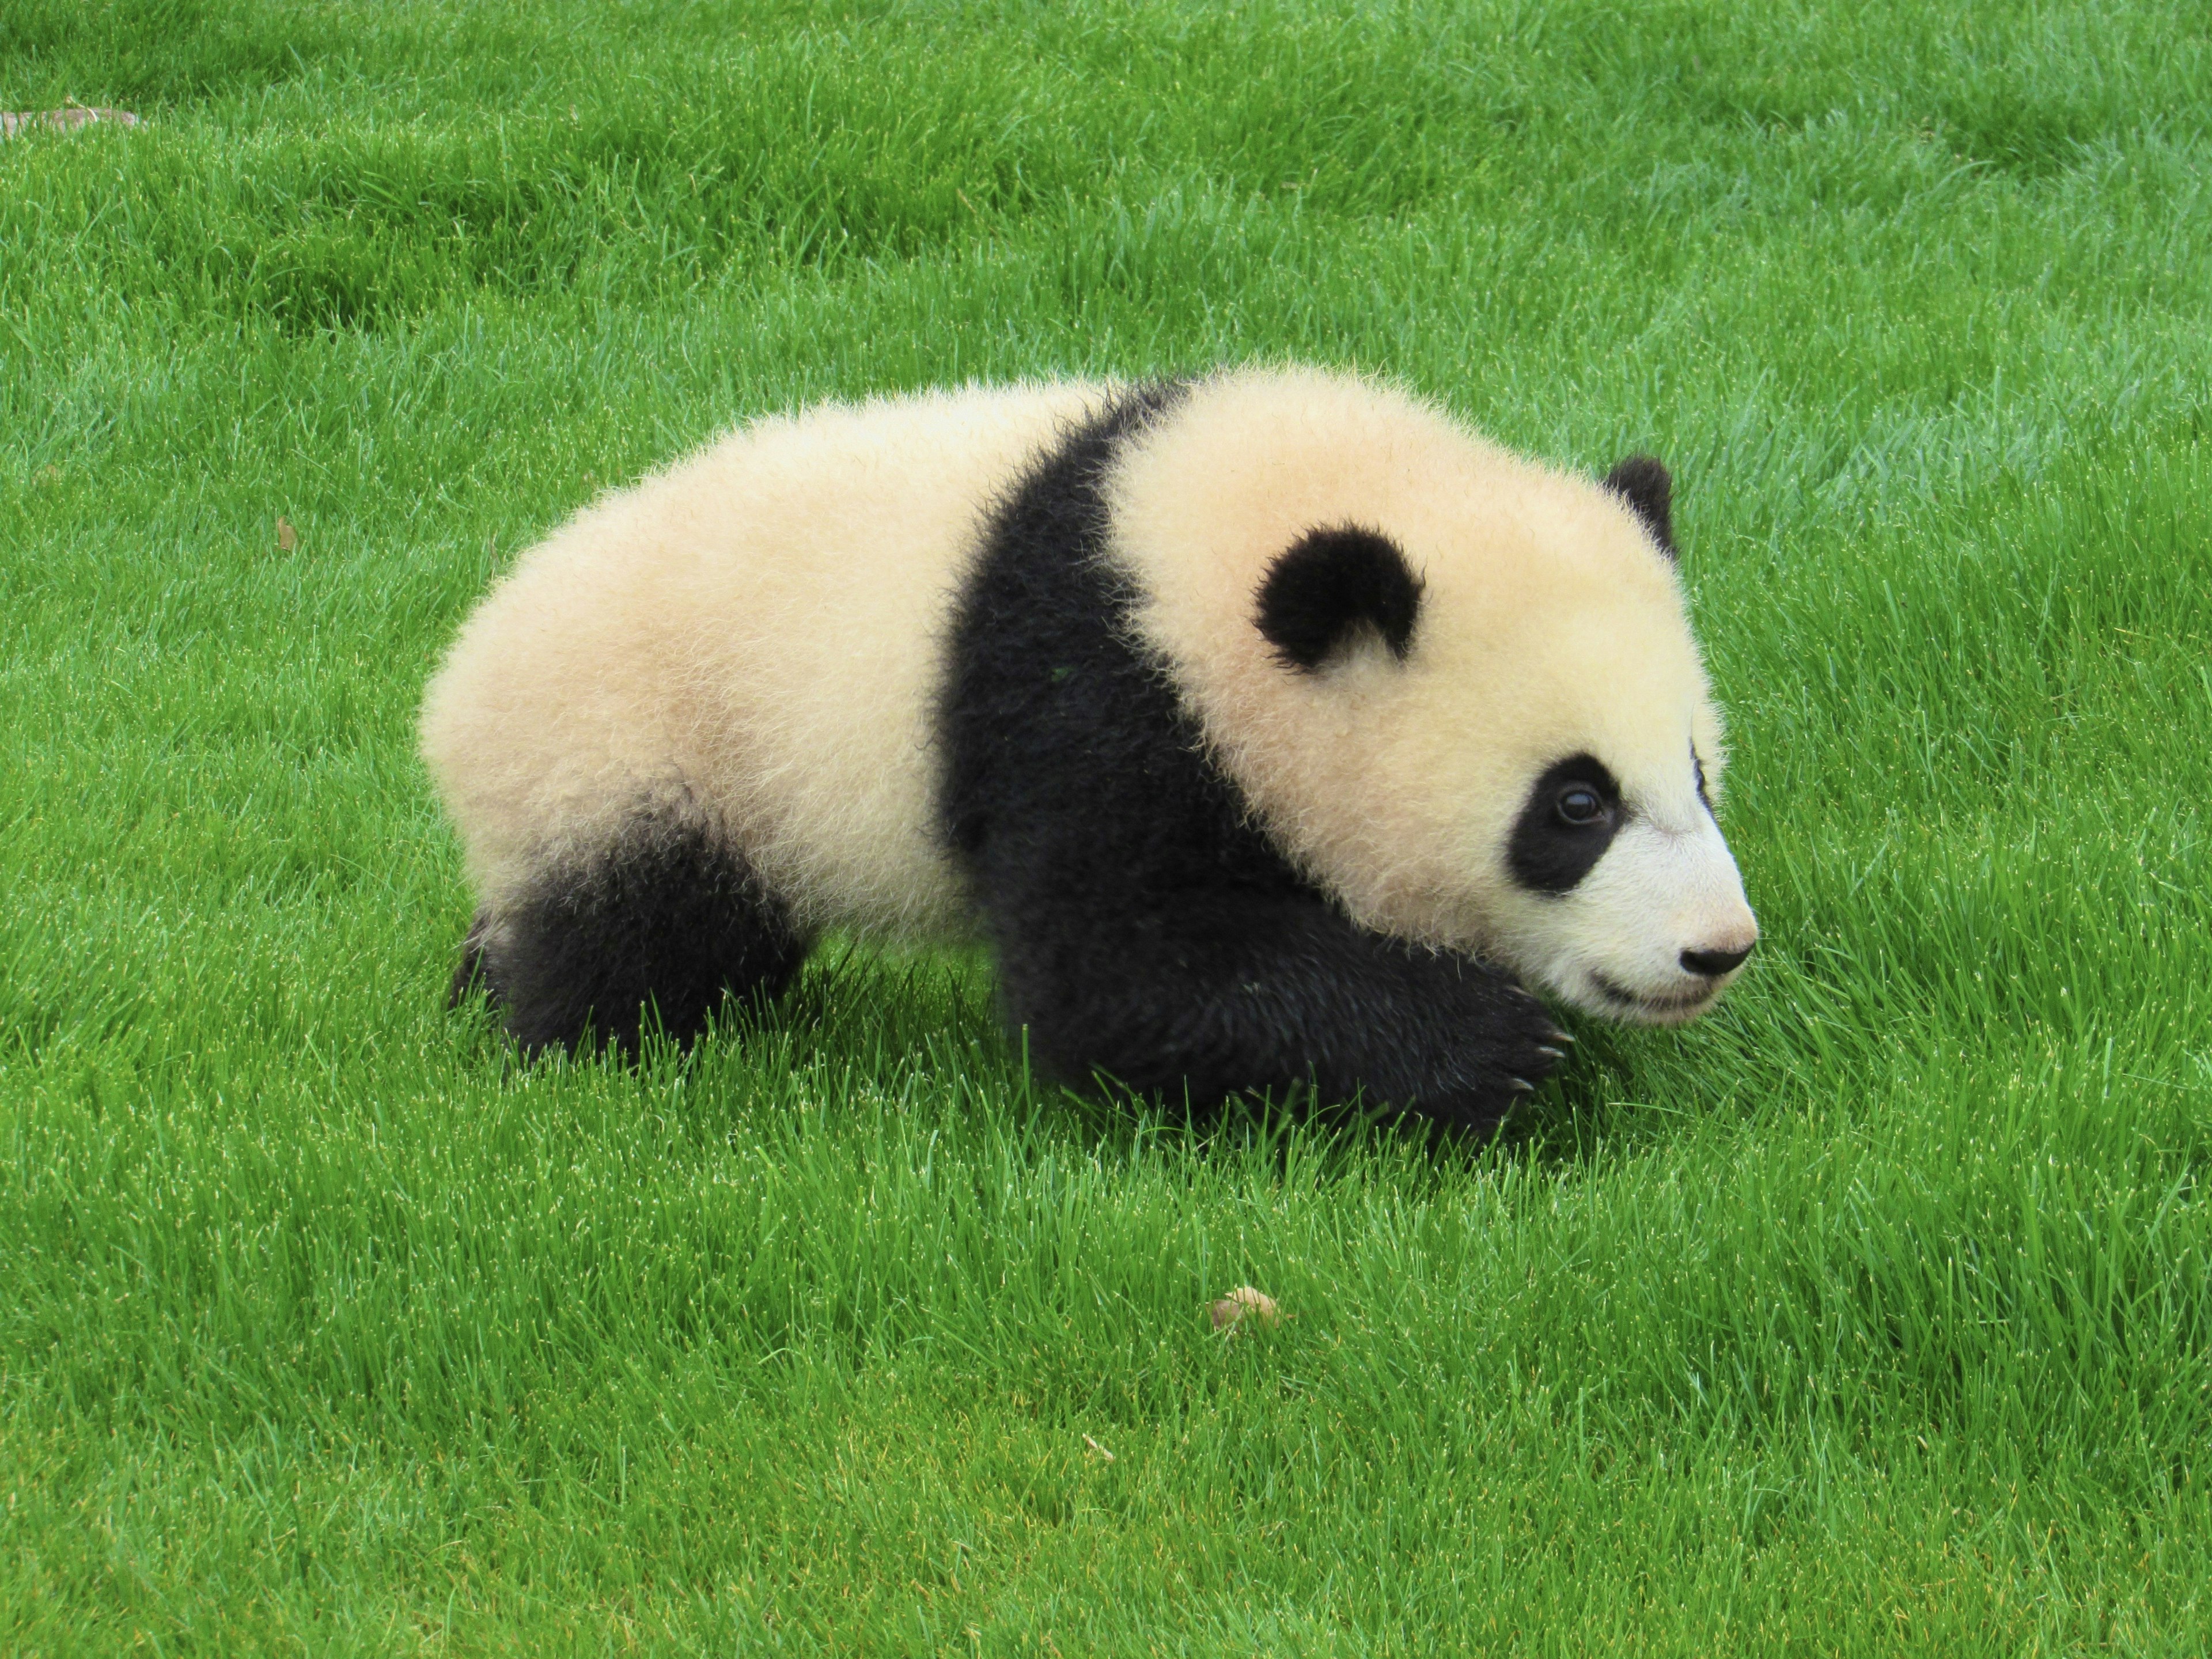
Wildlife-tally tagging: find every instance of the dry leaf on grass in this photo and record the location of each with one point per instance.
(287, 538)
(1244, 1303)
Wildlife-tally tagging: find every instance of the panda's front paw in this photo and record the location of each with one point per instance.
(1514, 1047)
(1535, 1041)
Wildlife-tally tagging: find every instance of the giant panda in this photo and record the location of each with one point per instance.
(1274, 729)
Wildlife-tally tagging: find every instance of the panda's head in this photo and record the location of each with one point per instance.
(1460, 690)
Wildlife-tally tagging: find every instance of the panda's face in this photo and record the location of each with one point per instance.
(1622, 900)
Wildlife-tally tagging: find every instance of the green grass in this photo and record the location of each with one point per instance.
(1873, 1314)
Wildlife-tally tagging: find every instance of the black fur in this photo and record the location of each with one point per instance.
(1145, 927)
(1550, 854)
(1332, 583)
(1642, 482)
(1715, 964)
(654, 929)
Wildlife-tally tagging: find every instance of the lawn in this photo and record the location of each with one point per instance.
(1872, 1314)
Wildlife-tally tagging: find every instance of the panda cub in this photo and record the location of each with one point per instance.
(1270, 726)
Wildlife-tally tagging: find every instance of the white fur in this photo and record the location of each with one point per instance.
(1614, 944)
(758, 631)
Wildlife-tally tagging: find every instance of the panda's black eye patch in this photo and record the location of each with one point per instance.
(1571, 814)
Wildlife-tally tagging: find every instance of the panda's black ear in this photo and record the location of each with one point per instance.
(1642, 482)
(1330, 584)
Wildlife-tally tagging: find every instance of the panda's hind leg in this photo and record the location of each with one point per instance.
(650, 931)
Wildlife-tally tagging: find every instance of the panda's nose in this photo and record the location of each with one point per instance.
(1715, 963)
(1712, 964)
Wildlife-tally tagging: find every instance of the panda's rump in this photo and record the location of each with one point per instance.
(752, 641)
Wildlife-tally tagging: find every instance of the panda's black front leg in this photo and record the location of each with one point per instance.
(1216, 993)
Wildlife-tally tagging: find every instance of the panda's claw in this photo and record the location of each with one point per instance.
(1551, 1053)
(1522, 1085)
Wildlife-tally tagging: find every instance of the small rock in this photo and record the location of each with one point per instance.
(1244, 1303)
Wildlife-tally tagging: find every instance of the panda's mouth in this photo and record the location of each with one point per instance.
(1665, 1009)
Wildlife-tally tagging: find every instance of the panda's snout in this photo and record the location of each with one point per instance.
(1716, 964)
(1655, 931)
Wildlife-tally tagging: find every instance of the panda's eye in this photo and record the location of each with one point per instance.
(1580, 806)
(1567, 820)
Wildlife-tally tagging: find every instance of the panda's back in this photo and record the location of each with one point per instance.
(754, 638)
